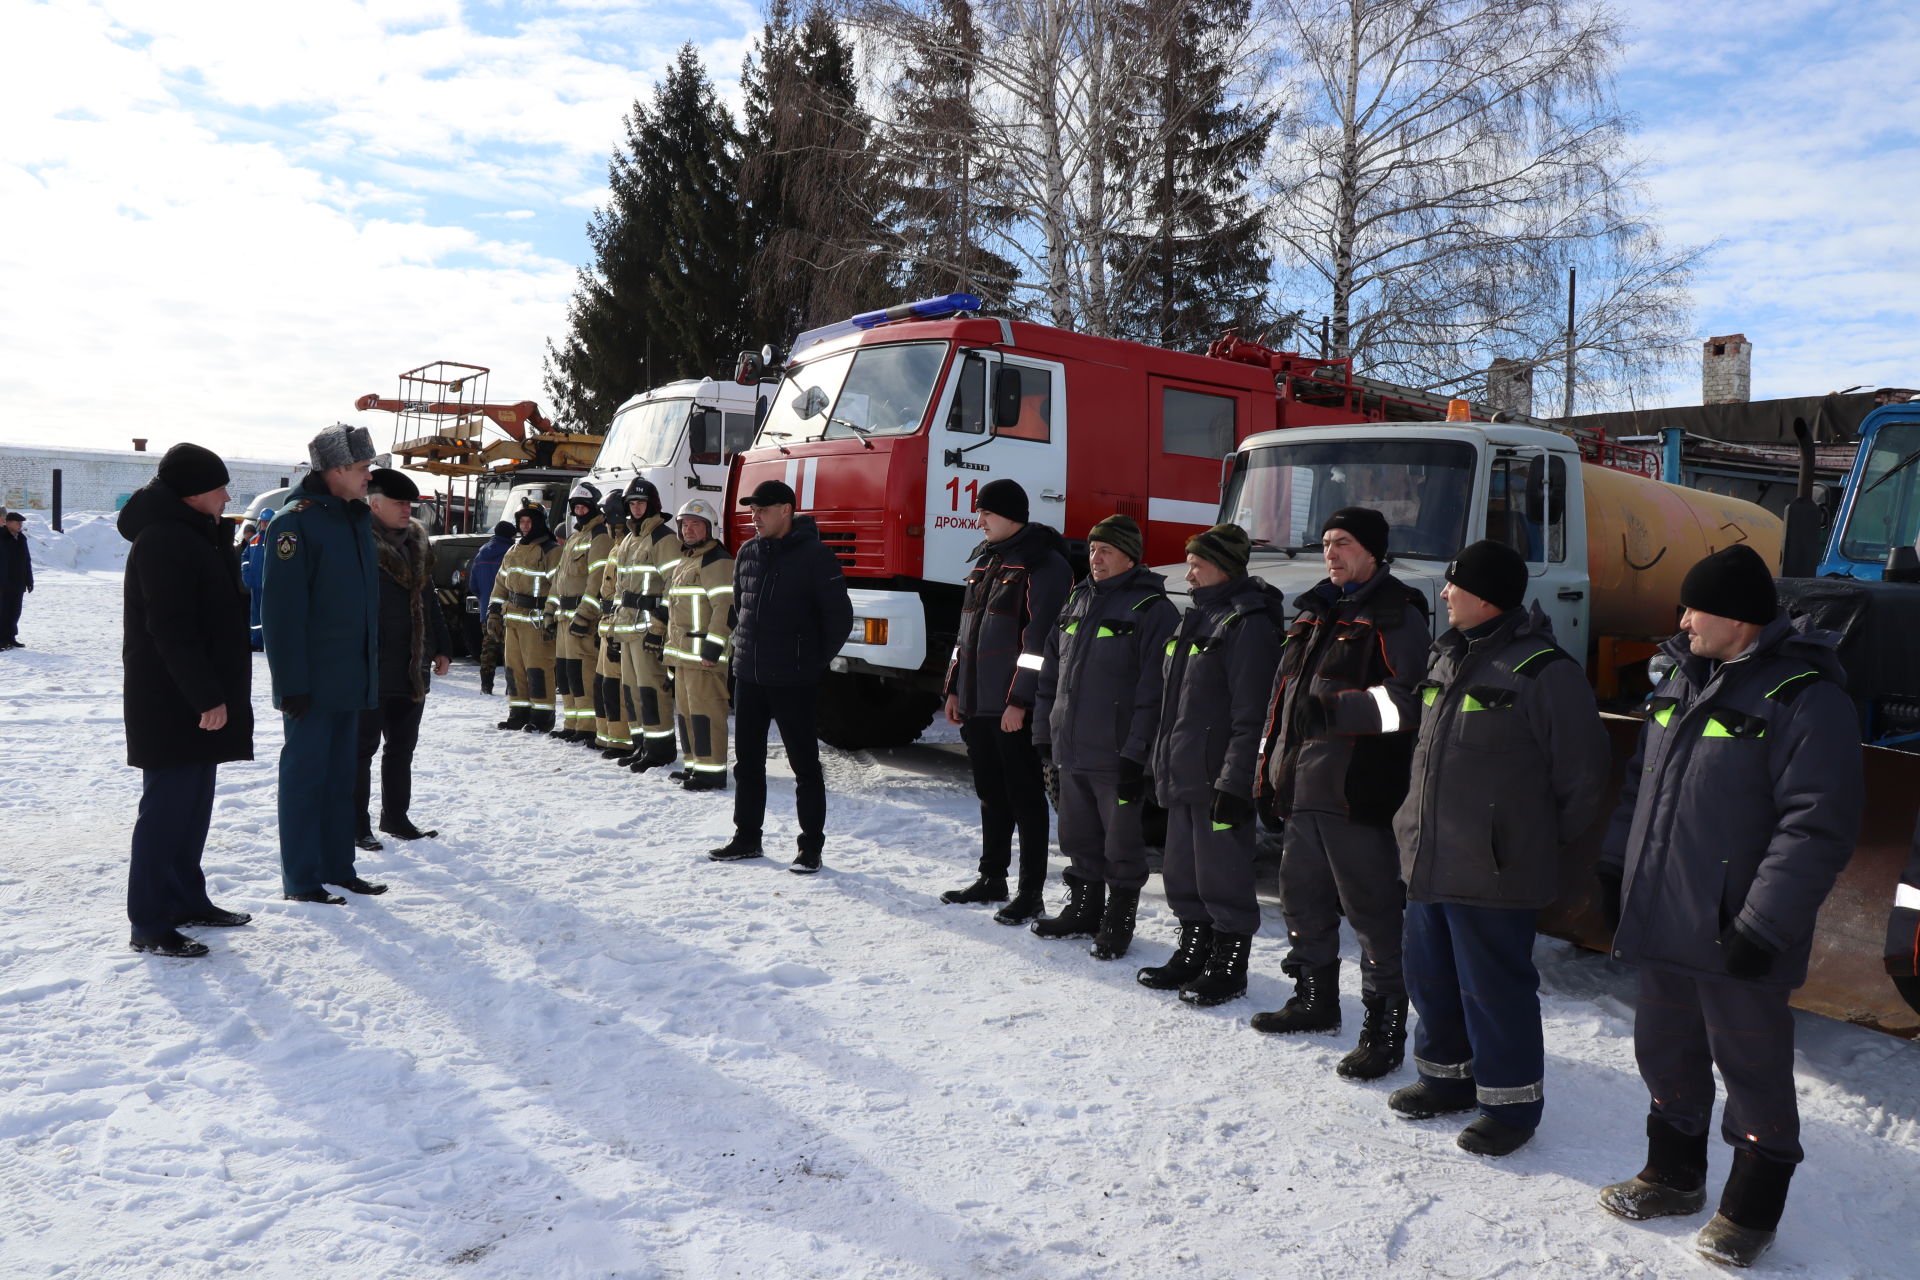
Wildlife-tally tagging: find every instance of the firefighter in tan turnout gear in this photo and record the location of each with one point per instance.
(699, 624)
(519, 604)
(583, 557)
(640, 567)
(598, 609)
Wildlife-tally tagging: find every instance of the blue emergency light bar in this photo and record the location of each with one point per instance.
(924, 309)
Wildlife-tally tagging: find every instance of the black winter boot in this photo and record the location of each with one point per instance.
(705, 780)
(1026, 904)
(985, 889)
(1750, 1211)
(1422, 1100)
(171, 943)
(1225, 977)
(1673, 1183)
(1487, 1136)
(517, 718)
(540, 722)
(1315, 1005)
(1383, 1040)
(1188, 961)
(738, 849)
(657, 752)
(1080, 918)
(486, 682)
(1116, 926)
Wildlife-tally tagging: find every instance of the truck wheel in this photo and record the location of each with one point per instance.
(859, 712)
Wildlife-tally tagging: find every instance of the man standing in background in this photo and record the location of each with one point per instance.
(322, 618)
(16, 578)
(488, 639)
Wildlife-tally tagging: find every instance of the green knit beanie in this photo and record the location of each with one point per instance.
(1122, 534)
(1225, 545)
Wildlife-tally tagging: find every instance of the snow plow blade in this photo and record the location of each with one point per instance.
(1847, 976)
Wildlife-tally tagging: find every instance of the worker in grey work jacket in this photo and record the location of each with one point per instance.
(1094, 719)
(1508, 770)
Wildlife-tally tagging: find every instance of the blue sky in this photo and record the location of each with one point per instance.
(228, 219)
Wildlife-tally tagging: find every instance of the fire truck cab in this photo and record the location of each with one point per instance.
(888, 425)
(682, 436)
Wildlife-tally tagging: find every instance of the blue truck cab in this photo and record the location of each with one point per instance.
(1880, 509)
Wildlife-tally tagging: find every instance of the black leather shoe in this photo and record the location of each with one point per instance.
(985, 889)
(357, 885)
(807, 863)
(404, 830)
(367, 843)
(177, 945)
(738, 849)
(216, 919)
(316, 895)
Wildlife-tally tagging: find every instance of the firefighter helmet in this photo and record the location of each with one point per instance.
(584, 492)
(699, 509)
(643, 490)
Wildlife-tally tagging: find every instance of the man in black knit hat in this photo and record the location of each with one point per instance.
(1019, 581)
(1740, 807)
(1508, 770)
(1339, 748)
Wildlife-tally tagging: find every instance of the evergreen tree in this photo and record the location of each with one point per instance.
(942, 174)
(1192, 263)
(808, 180)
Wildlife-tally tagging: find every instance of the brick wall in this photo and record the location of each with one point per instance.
(102, 480)
(1726, 370)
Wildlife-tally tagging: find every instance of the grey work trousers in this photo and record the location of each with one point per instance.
(1685, 1027)
(1208, 874)
(1330, 864)
(1098, 834)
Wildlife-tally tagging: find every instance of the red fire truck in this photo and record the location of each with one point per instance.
(887, 425)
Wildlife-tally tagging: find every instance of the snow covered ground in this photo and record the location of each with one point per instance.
(565, 1044)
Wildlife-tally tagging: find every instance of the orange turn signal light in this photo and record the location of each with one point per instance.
(874, 630)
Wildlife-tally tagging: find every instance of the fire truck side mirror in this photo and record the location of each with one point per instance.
(748, 369)
(1006, 397)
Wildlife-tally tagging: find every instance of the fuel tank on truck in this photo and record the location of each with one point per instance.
(1643, 536)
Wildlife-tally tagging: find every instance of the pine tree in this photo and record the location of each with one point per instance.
(808, 180)
(698, 285)
(1192, 263)
(942, 173)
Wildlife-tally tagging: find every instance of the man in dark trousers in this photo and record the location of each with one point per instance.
(1339, 749)
(793, 616)
(1509, 769)
(322, 620)
(188, 690)
(1903, 929)
(413, 638)
(1019, 581)
(1741, 806)
(16, 577)
(1217, 669)
(1096, 713)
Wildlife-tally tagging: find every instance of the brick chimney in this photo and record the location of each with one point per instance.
(1510, 386)
(1726, 370)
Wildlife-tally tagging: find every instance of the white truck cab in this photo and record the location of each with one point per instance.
(681, 436)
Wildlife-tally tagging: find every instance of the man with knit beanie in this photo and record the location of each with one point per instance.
(1339, 747)
(1216, 671)
(1509, 769)
(1019, 581)
(321, 620)
(16, 576)
(1740, 807)
(1095, 716)
(188, 690)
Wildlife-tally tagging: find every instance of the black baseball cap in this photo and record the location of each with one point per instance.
(770, 493)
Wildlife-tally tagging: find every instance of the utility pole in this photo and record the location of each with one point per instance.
(1572, 283)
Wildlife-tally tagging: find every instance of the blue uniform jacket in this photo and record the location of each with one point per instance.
(321, 603)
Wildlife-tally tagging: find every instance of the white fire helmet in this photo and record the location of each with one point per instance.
(699, 509)
(584, 492)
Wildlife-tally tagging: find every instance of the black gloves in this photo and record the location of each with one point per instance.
(654, 645)
(579, 630)
(1609, 878)
(1230, 810)
(1133, 781)
(613, 652)
(295, 705)
(1746, 955)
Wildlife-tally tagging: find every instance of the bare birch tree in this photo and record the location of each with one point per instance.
(1451, 159)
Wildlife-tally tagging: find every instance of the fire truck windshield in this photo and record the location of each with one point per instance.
(645, 435)
(868, 391)
(1886, 511)
(1281, 494)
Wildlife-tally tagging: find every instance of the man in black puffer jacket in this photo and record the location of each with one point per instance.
(188, 661)
(1019, 581)
(1339, 749)
(1218, 667)
(792, 616)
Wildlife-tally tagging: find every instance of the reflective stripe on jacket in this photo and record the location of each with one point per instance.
(1099, 693)
(699, 605)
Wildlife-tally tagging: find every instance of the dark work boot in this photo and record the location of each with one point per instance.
(540, 722)
(985, 889)
(1673, 1183)
(1116, 925)
(517, 718)
(1750, 1211)
(1027, 903)
(652, 756)
(1423, 1099)
(366, 843)
(705, 780)
(1188, 961)
(171, 943)
(1315, 1005)
(1225, 977)
(486, 681)
(1383, 1040)
(738, 849)
(403, 829)
(1487, 1136)
(1080, 918)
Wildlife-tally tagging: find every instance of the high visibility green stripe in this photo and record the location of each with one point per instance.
(1073, 628)
(1429, 696)
(1663, 716)
(1104, 631)
(1715, 729)
(1804, 675)
(1471, 703)
(1223, 826)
